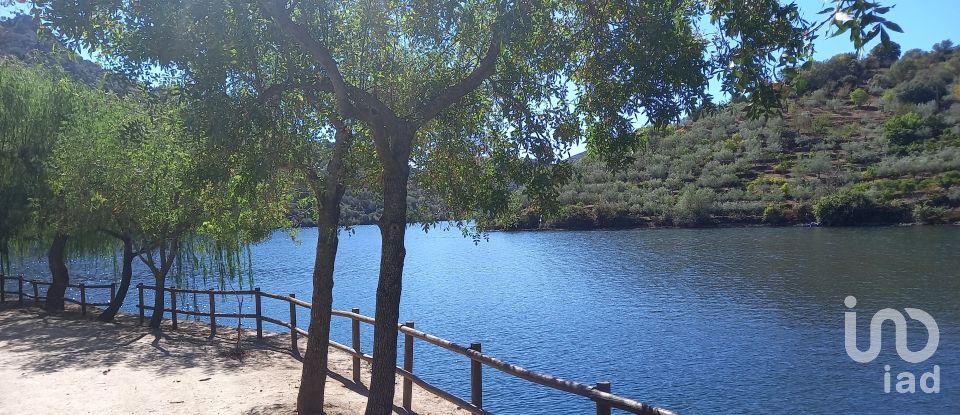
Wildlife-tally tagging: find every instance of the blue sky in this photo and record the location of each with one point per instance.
(924, 23)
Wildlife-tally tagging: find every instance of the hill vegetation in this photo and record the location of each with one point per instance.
(864, 141)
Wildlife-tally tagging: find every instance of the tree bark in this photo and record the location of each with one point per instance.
(167, 257)
(313, 378)
(393, 224)
(126, 274)
(159, 299)
(56, 259)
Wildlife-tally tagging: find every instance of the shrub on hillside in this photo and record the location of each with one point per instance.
(849, 208)
(573, 217)
(821, 124)
(775, 214)
(944, 160)
(911, 127)
(838, 70)
(803, 121)
(883, 55)
(859, 97)
(921, 89)
(926, 213)
(817, 164)
(693, 206)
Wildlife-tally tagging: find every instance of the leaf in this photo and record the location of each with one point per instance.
(893, 26)
(871, 34)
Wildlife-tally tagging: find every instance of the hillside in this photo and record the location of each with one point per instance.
(20, 40)
(865, 141)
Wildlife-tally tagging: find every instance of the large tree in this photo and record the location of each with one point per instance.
(39, 206)
(460, 84)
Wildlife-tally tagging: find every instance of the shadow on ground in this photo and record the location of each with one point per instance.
(68, 340)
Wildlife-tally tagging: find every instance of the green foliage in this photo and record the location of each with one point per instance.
(718, 151)
(921, 89)
(859, 97)
(926, 213)
(821, 124)
(694, 206)
(775, 214)
(850, 208)
(33, 104)
(909, 127)
(765, 183)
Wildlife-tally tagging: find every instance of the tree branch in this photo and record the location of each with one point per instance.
(277, 11)
(146, 255)
(486, 68)
(115, 234)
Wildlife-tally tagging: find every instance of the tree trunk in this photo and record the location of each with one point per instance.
(313, 378)
(167, 257)
(58, 270)
(126, 274)
(393, 224)
(159, 279)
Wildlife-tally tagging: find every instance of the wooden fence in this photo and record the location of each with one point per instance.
(34, 295)
(599, 393)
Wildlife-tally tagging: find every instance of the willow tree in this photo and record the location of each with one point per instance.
(89, 161)
(37, 207)
(158, 186)
(497, 79)
(32, 106)
(171, 192)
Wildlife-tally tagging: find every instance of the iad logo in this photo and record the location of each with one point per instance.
(906, 381)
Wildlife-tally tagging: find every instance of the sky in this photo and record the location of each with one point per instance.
(924, 22)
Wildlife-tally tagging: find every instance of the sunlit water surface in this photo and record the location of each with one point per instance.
(698, 321)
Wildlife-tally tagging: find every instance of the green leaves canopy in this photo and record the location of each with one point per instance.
(497, 82)
(33, 105)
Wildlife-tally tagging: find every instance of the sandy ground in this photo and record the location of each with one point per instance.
(69, 364)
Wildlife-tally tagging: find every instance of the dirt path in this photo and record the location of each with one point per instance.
(68, 364)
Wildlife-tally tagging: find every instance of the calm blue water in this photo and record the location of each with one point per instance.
(698, 321)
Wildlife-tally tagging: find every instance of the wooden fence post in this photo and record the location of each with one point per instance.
(3, 289)
(476, 379)
(602, 408)
(293, 325)
(113, 292)
(140, 306)
(36, 292)
(20, 288)
(408, 366)
(256, 295)
(356, 346)
(83, 299)
(173, 306)
(213, 313)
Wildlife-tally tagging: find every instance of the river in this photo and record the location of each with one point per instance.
(702, 321)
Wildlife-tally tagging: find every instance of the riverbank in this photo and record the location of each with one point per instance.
(73, 364)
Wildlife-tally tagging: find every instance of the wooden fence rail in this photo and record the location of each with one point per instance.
(599, 393)
(36, 298)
